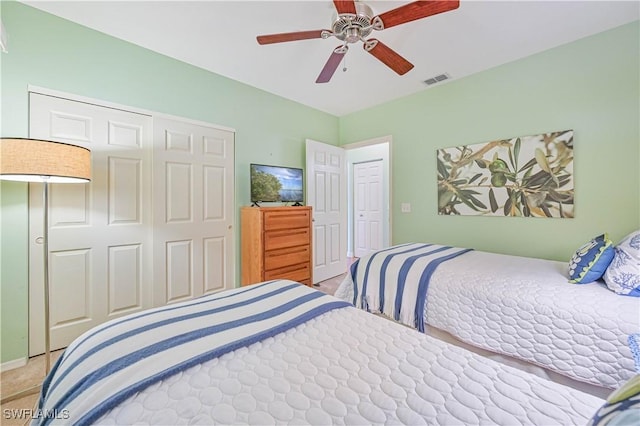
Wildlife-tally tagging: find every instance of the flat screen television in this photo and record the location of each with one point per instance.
(276, 184)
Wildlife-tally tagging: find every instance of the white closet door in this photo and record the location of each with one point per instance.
(193, 210)
(99, 244)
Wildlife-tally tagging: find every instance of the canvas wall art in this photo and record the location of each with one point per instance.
(527, 176)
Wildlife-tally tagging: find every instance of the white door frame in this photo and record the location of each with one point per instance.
(365, 143)
(115, 105)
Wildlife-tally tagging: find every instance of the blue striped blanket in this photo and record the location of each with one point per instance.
(394, 281)
(115, 360)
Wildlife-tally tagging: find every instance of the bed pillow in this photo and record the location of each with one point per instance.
(591, 260)
(623, 274)
(622, 406)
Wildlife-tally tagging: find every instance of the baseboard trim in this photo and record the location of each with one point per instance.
(19, 395)
(13, 364)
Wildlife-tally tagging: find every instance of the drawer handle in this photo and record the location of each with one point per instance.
(292, 250)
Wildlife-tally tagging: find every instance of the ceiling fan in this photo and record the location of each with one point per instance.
(355, 22)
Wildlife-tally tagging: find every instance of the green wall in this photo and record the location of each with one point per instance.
(50, 52)
(590, 86)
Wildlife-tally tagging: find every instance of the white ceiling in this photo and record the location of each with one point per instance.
(220, 36)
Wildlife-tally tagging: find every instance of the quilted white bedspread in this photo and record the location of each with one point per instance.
(525, 308)
(350, 367)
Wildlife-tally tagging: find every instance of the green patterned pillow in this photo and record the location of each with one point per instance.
(622, 406)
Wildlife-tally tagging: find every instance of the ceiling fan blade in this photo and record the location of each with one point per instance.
(413, 11)
(388, 56)
(345, 6)
(283, 37)
(332, 64)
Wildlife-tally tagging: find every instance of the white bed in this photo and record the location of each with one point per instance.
(516, 306)
(338, 366)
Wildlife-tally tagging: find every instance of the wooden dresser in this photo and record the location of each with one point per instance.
(276, 243)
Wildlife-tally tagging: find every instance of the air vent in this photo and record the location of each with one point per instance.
(437, 79)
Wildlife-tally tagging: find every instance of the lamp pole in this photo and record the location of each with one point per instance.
(47, 327)
(37, 160)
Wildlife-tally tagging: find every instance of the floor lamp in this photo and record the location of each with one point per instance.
(32, 160)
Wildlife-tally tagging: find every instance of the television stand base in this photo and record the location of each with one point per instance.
(255, 204)
(297, 204)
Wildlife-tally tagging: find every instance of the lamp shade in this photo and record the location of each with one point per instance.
(33, 160)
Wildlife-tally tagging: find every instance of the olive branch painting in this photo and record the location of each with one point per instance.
(528, 176)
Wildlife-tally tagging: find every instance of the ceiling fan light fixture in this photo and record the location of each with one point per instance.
(352, 35)
(351, 27)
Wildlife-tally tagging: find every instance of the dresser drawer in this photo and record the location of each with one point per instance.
(274, 259)
(299, 272)
(287, 238)
(286, 219)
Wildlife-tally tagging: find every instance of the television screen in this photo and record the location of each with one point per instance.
(276, 184)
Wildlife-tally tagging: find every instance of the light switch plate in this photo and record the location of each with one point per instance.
(405, 208)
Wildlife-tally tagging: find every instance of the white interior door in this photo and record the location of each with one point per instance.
(327, 194)
(193, 210)
(99, 244)
(367, 196)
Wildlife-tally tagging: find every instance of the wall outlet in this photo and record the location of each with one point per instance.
(405, 207)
